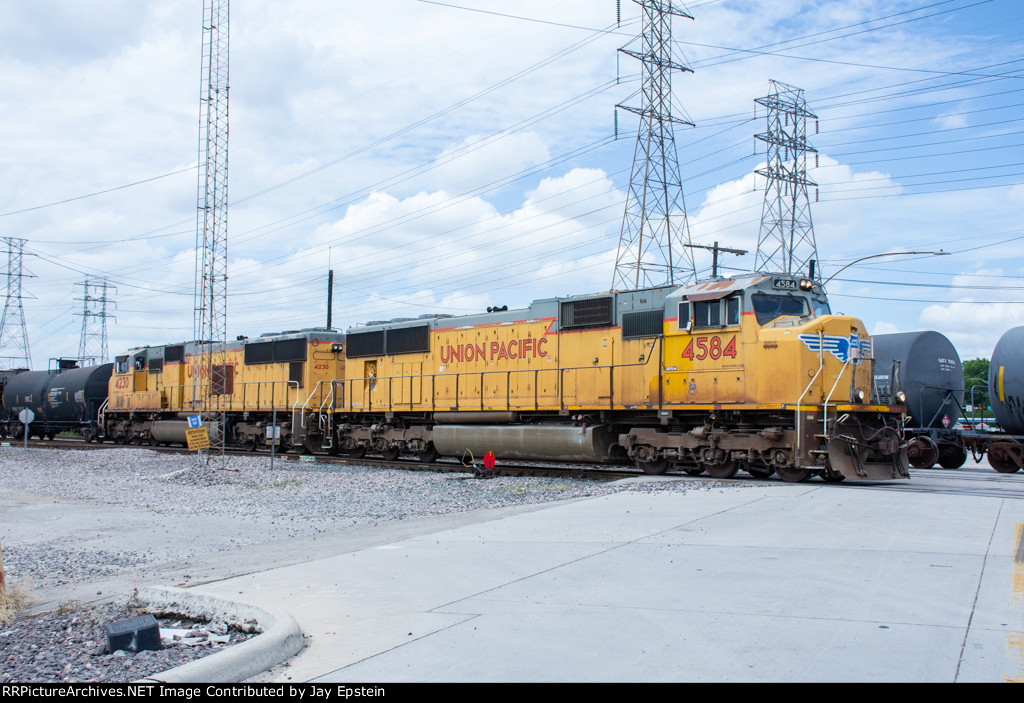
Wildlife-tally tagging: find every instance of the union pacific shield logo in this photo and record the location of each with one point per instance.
(839, 347)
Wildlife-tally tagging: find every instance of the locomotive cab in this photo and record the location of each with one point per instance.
(765, 352)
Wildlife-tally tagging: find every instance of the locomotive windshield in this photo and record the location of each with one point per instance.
(820, 306)
(769, 307)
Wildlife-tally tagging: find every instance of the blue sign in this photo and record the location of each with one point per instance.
(194, 421)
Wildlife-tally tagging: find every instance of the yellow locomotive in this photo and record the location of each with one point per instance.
(749, 372)
(152, 390)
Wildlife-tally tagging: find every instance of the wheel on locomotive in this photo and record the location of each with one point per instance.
(723, 469)
(428, 455)
(791, 474)
(655, 467)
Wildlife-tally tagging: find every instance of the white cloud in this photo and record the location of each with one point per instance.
(339, 111)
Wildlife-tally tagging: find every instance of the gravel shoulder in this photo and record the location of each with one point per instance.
(79, 528)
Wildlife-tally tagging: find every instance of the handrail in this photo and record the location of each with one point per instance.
(829, 396)
(180, 406)
(101, 414)
(330, 396)
(302, 416)
(799, 414)
(480, 377)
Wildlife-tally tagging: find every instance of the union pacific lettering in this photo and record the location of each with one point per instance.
(495, 351)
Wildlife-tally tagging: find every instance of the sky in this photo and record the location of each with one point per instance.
(446, 157)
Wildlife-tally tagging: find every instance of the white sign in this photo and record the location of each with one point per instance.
(274, 434)
(26, 416)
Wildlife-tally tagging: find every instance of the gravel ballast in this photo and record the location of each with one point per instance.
(80, 527)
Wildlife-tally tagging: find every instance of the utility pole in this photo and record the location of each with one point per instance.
(212, 378)
(94, 294)
(14, 351)
(786, 242)
(654, 226)
(714, 254)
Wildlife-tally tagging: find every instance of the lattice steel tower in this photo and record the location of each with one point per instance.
(209, 369)
(786, 242)
(652, 243)
(92, 345)
(14, 351)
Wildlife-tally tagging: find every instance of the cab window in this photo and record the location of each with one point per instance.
(707, 313)
(711, 313)
(770, 307)
(732, 310)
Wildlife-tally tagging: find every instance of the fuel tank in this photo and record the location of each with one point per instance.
(537, 442)
(172, 431)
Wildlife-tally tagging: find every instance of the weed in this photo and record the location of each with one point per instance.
(13, 599)
(68, 607)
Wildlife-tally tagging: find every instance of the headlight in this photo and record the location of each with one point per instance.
(859, 395)
(900, 397)
(806, 284)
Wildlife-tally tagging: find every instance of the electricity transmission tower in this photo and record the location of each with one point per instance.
(210, 373)
(14, 351)
(94, 306)
(654, 226)
(786, 242)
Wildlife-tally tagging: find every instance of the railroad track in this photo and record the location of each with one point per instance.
(444, 465)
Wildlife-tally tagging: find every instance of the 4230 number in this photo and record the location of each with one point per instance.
(701, 348)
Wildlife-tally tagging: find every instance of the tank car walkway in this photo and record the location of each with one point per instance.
(758, 582)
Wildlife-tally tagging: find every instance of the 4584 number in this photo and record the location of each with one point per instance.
(701, 348)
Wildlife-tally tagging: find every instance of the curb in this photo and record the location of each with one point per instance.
(280, 640)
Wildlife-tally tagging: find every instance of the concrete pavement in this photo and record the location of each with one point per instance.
(753, 582)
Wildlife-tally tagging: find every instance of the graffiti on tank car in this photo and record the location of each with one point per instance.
(528, 348)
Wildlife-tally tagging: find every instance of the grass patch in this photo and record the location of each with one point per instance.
(12, 600)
